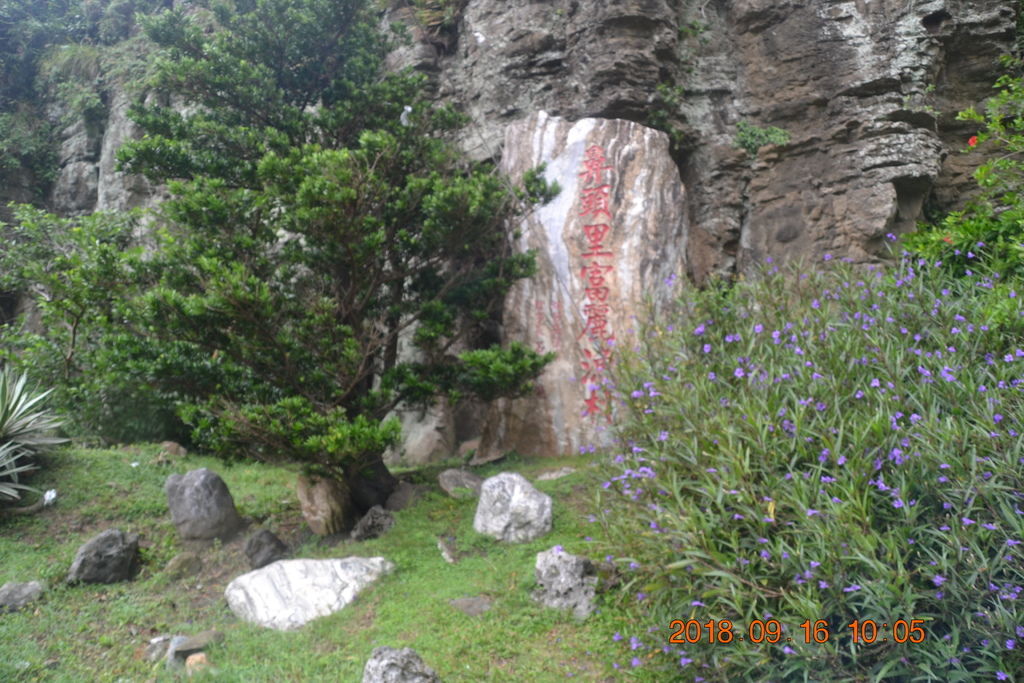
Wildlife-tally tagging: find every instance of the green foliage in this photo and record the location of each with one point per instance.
(25, 430)
(751, 138)
(309, 228)
(490, 373)
(27, 142)
(81, 275)
(978, 239)
(14, 461)
(438, 16)
(71, 72)
(664, 111)
(63, 50)
(18, 424)
(788, 457)
(536, 188)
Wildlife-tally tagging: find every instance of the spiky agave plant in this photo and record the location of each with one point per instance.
(12, 463)
(25, 429)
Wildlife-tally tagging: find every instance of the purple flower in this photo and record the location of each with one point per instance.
(617, 637)
(788, 650)
(1001, 676)
(811, 512)
(851, 589)
(697, 603)
(938, 579)
(1010, 644)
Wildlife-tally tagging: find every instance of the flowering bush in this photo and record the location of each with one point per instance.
(988, 235)
(808, 452)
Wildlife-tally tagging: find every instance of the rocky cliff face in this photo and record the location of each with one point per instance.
(867, 89)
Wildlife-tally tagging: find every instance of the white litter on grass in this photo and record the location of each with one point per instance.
(404, 118)
(135, 464)
(49, 497)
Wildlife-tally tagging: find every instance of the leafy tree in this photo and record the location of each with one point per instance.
(313, 228)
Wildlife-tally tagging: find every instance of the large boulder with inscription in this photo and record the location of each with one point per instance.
(616, 232)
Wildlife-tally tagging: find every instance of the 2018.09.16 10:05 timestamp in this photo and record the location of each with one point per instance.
(864, 632)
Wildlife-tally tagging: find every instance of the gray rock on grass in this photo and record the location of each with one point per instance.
(14, 596)
(264, 548)
(374, 523)
(391, 665)
(107, 558)
(201, 505)
(566, 581)
(460, 483)
(512, 510)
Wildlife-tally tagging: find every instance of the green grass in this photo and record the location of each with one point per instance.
(96, 633)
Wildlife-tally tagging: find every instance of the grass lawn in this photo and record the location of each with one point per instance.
(98, 632)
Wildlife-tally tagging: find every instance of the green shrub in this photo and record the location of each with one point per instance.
(839, 447)
(988, 234)
(80, 275)
(752, 138)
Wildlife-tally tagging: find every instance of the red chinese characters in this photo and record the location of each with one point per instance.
(598, 266)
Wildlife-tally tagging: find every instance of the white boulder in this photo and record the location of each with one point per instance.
(288, 593)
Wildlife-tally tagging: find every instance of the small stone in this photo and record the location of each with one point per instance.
(196, 663)
(555, 474)
(390, 665)
(468, 448)
(109, 557)
(474, 607)
(374, 523)
(14, 596)
(447, 548)
(404, 495)
(184, 565)
(173, 661)
(198, 642)
(264, 548)
(566, 581)
(156, 649)
(460, 484)
(173, 448)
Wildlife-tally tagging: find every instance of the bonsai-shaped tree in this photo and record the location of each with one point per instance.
(312, 228)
